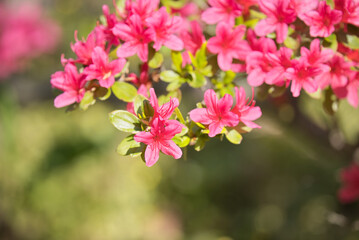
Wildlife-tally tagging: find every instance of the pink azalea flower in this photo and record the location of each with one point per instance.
(142, 8)
(302, 76)
(217, 113)
(111, 20)
(228, 44)
(71, 82)
(276, 76)
(262, 44)
(352, 90)
(303, 6)
(162, 28)
(222, 11)
(316, 55)
(338, 74)
(246, 111)
(103, 70)
(25, 33)
(350, 10)
(322, 20)
(83, 49)
(135, 36)
(192, 41)
(246, 4)
(279, 13)
(159, 139)
(267, 67)
(164, 111)
(188, 12)
(350, 189)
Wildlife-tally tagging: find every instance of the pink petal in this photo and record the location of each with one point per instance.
(126, 50)
(210, 98)
(256, 77)
(215, 128)
(167, 109)
(108, 82)
(173, 42)
(212, 15)
(99, 57)
(263, 28)
(65, 99)
(225, 61)
(200, 115)
(152, 154)
(168, 147)
(225, 103)
(144, 137)
(282, 31)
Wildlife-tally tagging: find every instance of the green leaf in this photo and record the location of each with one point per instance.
(124, 91)
(106, 96)
(156, 61)
(233, 136)
(198, 80)
(201, 57)
(353, 42)
(129, 146)
(331, 42)
(207, 71)
(169, 76)
(251, 23)
(201, 142)
(174, 85)
(143, 108)
(291, 43)
(87, 100)
(229, 77)
(181, 141)
(177, 61)
(256, 14)
(179, 116)
(125, 121)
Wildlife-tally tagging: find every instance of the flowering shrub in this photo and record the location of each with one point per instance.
(24, 34)
(274, 44)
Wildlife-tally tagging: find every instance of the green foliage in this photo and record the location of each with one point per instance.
(87, 100)
(331, 42)
(224, 83)
(129, 147)
(181, 141)
(143, 108)
(195, 74)
(201, 142)
(156, 61)
(124, 91)
(353, 42)
(125, 121)
(233, 136)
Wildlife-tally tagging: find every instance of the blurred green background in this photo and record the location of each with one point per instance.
(61, 178)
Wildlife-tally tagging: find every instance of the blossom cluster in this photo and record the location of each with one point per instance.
(275, 44)
(24, 34)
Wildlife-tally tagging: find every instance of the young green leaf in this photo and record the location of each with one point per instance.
(233, 136)
(125, 121)
(124, 91)
(156, 61)
(129, 146)
(87, 100)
